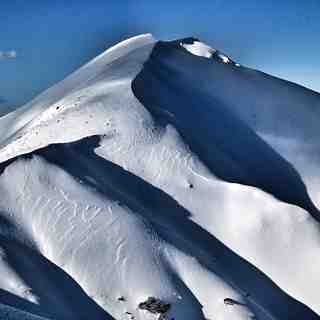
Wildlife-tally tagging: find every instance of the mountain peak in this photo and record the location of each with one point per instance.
(201, 49)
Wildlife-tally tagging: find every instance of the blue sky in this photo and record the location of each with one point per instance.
(53, 38)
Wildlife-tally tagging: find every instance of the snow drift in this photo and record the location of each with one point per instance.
(162, 180)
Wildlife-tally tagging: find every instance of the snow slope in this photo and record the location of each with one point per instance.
(130, 180)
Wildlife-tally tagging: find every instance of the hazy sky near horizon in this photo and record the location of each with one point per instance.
(50, 39)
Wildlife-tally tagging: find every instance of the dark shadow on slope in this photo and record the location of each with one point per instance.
(8, 312)
(225, 143)
(60, 297)
(171, 221)
(9, 299)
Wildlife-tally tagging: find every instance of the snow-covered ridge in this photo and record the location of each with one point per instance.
(19, 129)
(155, 184)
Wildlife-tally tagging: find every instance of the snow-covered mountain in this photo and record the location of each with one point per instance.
(162, 180)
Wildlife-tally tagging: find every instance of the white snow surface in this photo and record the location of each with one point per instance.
(58, 231)
(199, 49)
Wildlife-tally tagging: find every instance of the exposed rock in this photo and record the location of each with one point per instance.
(231, 302)
(155, 306)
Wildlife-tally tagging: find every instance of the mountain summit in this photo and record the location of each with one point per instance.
(161, 180)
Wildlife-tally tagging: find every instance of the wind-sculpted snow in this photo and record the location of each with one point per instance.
(109, 201)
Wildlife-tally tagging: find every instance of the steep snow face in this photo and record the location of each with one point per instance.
(139, 182)
(283, 114)
(55, 112)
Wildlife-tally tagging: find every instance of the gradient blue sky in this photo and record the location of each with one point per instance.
(53, 38)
